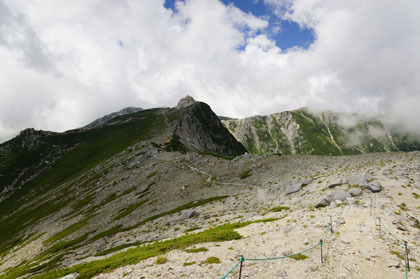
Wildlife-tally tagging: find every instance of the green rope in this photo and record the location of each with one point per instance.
(380, 221)
(224, 276)
(283, 257)
(289, 256)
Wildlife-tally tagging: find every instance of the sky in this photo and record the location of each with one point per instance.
(65, 63)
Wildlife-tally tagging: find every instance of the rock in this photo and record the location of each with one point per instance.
(185, 102)
(293, 188)
(365, 254)
(323, 202)
(401, 227)
(359, 179)
(351, 201)
(306, 181)
(338, 182)
(340, 194)
(248, 216)
(189, 213)
(375, 186)
(412, 221)
(332, 204)
(70, 276)
(174, 221)
(355, 192)
(280, 273)
(287, 252)
(394, 262)
(340, 221)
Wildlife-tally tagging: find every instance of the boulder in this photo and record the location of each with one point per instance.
(306, 181)
(375, 186)
(338, 182)
(323, 202)
(355, 192)
(189, 213)
(359, 179)
(340, 221)
(394, 262)
(412, 221)
(340, 194)
(293, 188)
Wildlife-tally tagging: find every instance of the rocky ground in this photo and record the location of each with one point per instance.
(312, 187)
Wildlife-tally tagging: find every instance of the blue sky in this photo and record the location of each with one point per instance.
(290, 33)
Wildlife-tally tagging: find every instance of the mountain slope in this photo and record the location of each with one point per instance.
(55, 177)
(106, 118)
(326, 133)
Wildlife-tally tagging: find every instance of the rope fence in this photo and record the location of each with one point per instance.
(324, 240)
(401, 242)
(320, 243)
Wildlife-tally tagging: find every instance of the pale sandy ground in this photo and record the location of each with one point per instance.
(353, 251)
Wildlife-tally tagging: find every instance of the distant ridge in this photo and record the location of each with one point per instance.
(323, 133)
(104, 119)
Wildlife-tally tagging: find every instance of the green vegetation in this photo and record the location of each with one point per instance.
(56, 159)
(192, 229)
(161, 260)
(132, 256)
(299, 257)
(212, 260)
(403, 206)
(67, 231)
(189, 263)
(174, 144)
(416, 196)
(279, 208)
(130, 209)
(117, 248)
(396, 253)
(196, 250)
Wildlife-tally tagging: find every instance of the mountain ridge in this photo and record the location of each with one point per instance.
(325, 133)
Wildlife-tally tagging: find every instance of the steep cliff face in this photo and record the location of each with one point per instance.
(325, 133)
(200, 130)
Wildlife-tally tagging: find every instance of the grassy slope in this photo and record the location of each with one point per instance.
(90, 147)
(314, 137)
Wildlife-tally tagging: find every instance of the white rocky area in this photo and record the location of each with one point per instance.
(312, 187)
(358, 246)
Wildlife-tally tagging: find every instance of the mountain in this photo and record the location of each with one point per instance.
(322, 133)
(106, 118)
(170, 193)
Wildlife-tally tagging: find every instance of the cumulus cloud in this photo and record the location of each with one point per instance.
(66, 63)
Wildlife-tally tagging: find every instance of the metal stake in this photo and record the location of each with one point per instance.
(240, 268)
(322, 258)
(331, 224)
(406, 252)
(371, 201)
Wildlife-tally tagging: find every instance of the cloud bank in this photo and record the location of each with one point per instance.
(65, 63)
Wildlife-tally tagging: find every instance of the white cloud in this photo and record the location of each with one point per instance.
(66, 63)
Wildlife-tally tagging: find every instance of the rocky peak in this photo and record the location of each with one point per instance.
(185, 102)
(30, 137)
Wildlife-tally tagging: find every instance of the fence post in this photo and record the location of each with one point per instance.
(406, 255)
(331, 224)
(379, 220)
(322, 258)
(240, 268)
(371, 201)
